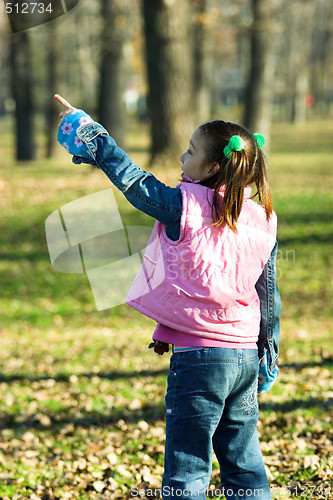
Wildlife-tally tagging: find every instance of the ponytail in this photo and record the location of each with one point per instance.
(237, 169)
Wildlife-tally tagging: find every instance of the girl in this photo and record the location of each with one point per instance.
(209, 260)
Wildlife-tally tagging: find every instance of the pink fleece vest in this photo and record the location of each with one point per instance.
(204, 283)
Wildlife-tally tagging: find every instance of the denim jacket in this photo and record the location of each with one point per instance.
(269, 334)
(164, 203)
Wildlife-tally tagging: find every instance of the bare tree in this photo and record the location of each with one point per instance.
(299, 29)
(321, 65)
(259, 88)
(168, 56)
(317, 55)
(204, 19)
(111, 105)
(22, 85)
(52, 77)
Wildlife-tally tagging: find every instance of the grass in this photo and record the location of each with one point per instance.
(82, 396)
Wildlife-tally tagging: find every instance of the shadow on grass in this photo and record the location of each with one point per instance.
(148, 412)
(325, 361)
(304, 239)
(296, 404)
(118, 374)
(122, 415)
(151, 413)
(303, 217)
(65, 377)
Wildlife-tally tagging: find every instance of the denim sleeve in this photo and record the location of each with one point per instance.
(270, 309)
(141, 188)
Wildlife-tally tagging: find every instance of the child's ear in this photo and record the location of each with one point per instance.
(214, 168)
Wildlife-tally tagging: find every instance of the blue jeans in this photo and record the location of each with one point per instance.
(211, 405)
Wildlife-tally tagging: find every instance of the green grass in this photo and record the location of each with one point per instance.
(82, 396)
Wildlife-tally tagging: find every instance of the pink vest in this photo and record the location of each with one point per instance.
(204, 283)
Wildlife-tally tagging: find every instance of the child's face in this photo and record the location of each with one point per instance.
(194, 162)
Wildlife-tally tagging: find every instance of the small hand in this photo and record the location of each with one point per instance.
(68, 108)
(159, 347)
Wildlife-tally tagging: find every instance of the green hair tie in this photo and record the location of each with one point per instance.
(236, 143)
(260, 140)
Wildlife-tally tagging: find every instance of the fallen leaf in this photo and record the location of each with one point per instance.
(99, 486)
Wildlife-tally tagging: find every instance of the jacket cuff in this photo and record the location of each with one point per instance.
(86, 134)
(89, 131)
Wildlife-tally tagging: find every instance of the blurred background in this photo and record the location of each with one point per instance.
(82, 398)
(171, 63)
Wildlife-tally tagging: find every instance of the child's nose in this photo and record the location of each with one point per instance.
(182, 157)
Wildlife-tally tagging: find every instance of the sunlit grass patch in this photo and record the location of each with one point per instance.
(82, 396)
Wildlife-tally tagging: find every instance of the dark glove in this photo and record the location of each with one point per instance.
(159, 347)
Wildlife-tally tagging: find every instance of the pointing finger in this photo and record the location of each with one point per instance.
(63, 102)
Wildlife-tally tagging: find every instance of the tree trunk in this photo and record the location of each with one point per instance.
(322, 63)
(259, 89)
(300, 28)
(21, 75)
(203, 60)
(52, 108)
(111, 103)
(168, 56)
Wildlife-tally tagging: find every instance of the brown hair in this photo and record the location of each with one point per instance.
(243, 168)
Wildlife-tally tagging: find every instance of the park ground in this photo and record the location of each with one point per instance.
(82, 398)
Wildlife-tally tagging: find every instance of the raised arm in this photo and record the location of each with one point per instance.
(141, 188)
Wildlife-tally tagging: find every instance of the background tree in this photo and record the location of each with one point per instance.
(203, 26)
(202, 57)
(22, 91)
(52, 109)
(299, 30)
(169, 67)
(322, 57)
(111, 108)
(259, 87)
